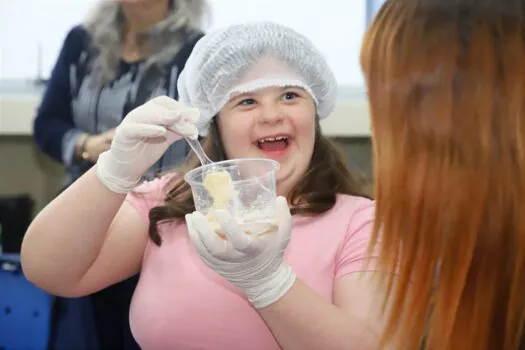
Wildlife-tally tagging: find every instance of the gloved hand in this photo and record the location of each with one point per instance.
(253, 263)
(142, 138)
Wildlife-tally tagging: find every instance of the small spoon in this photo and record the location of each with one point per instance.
(197, 148)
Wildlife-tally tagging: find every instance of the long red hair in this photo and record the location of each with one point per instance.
(446, 85)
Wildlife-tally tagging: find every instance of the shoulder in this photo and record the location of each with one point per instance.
(184, 53)
(78, 32)
(345, 209)
(356, 207)
(353, 209)
(358, 214)
(77, 35)
(152, 193)
(340, 236)
(353, 254)
(75, 42)
(354, 203)
(157, 186)
(353, 219)
(348, 216)
(193, 38)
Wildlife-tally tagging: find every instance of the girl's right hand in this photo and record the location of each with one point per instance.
(142, 138)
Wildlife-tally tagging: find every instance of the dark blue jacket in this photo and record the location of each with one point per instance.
(71, 106)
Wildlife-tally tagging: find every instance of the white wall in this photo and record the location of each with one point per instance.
(335, 26)
(26, 25)
(349, 119)
(372, 7)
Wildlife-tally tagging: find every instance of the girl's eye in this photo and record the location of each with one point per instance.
(247, 102)
(290, 95)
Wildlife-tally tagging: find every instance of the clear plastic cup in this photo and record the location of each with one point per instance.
(254, 192)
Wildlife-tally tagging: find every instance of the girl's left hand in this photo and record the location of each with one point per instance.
(253, 263)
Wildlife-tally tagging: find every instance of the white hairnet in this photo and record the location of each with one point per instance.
(250, 56)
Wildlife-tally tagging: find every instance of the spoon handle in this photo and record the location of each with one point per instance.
(197, 148)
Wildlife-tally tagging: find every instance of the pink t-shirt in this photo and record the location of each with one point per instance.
(180, 303)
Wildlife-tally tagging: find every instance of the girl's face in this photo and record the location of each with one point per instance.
(276, 123)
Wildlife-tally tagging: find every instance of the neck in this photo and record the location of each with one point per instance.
(143, 15)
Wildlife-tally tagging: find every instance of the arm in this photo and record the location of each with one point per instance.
(303, 320)
(86, 238)
(298, 317)
(53, 129)
(70, 247)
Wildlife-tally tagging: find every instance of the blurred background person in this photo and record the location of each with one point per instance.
(127, 52)
(446, 85)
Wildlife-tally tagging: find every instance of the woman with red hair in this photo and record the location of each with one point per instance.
(446, 85)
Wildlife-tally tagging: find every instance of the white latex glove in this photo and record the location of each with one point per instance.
(254, 264)
(142, 138)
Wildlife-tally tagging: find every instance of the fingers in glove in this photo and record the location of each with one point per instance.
(152, 114)
(135, 132)
(215, 245)
(284, 219)
(235, 234)
(185, 129)
(166, 102)
(196, 239)
(188, 115)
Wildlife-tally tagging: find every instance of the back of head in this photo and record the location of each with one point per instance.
(446, 84)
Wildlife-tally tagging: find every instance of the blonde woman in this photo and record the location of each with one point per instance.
(127, 52)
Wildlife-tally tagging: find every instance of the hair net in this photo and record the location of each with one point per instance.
(250, 56)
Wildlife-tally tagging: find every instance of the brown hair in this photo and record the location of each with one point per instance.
(446, 85)
(326, 176)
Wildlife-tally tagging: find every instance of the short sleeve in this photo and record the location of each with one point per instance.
(149, 194)
(353, 254)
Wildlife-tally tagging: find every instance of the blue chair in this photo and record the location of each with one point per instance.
(25, 310)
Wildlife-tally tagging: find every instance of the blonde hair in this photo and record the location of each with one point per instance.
(105, 24)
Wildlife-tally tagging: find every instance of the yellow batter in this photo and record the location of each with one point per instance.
(219, 185)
